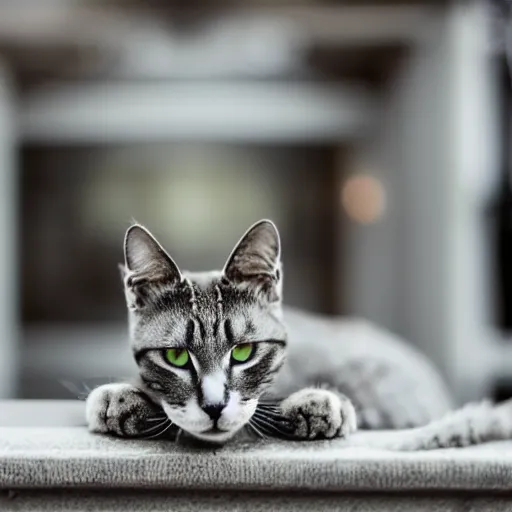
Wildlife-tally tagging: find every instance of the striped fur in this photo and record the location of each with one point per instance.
(208, 314)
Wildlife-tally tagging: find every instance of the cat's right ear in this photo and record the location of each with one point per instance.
(147, 266)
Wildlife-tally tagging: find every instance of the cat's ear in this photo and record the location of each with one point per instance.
(145, 257)
(147, 265)
(255, 262)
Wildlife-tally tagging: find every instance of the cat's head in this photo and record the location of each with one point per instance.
(207, 344)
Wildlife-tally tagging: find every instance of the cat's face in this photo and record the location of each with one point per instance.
(207, 344)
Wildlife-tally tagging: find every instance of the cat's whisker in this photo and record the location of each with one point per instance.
(273, 433)
(268, 406)
(276, 415)
(261, 421)
(162, 432)
(154, 427)
(269, 414)
(269, 402)
(257, 430)
(156, 418)
(272, 418)
(272, 428)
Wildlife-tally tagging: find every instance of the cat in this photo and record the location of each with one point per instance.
(217, 351)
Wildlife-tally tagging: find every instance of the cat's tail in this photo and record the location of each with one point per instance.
(472, 424)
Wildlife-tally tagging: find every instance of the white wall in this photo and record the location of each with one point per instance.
(474, 157)
(421, 272)
(8, 240)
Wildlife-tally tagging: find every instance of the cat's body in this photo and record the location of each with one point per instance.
(212, 346)
(391, 384)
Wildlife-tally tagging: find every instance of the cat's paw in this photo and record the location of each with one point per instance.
(319, 414)
(123, 410)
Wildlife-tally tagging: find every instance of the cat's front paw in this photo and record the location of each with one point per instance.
(123, 410)
(319, 414)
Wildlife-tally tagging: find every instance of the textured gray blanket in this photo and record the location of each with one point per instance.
(47, 456)
(41, 457)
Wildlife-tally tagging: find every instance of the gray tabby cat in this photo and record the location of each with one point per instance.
(211, 347)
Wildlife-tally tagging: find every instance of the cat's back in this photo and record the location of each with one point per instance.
(391, 383)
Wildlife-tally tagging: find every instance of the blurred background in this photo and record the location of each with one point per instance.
(373, 133)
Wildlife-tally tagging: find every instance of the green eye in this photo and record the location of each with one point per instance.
(243, 352)
(177, 356)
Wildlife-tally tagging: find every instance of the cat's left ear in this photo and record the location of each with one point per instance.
(255, 262)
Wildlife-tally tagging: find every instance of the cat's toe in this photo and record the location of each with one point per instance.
(319, 414)
(119, 409)
(96, 407)
(348, 417)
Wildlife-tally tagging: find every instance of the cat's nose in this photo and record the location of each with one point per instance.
(214, 411)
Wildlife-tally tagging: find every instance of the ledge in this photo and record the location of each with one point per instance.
(69, 457)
